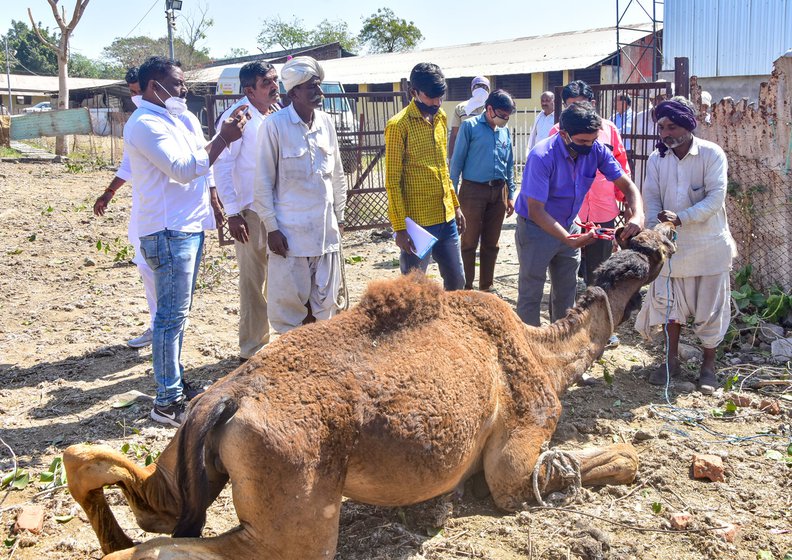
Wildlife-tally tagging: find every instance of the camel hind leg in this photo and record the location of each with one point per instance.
(509, 465)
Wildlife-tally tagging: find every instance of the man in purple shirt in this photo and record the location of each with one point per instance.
(557, 176)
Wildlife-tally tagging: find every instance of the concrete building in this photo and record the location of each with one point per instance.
(731, 45)
(26, 91)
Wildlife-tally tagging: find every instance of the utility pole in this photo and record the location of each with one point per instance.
(8, 78)
(170, 18)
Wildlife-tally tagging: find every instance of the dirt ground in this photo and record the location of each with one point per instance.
(67, 309)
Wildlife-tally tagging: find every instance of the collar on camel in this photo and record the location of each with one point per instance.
(610, 312)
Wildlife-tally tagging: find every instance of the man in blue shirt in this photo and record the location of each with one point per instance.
(484, 158)
(557, 176)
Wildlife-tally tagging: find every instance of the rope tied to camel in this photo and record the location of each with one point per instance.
(563, 464)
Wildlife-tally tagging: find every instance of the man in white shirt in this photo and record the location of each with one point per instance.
(170, 165)
(623, 118)
(234, 172)
(300, 195)
(544, 120)
(686, 185)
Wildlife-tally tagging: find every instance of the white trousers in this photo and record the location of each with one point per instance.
(294, 283)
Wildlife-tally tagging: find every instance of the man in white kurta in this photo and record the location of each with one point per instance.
(544, 120)
(686, 184)
(235, 172)
(300, 195)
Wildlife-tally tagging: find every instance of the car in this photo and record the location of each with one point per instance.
(38, 107)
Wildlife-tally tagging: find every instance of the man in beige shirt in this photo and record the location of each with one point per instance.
(479, 90)
(686, 185)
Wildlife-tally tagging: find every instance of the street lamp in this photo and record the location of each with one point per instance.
(170, 17)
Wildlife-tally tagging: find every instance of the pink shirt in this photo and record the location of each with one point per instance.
(600, 203)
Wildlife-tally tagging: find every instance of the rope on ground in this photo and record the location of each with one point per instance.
(625, 525)
(559, 463)
(342, 301)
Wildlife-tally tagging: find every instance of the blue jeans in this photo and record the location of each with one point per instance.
(174, 256)
(446, 253)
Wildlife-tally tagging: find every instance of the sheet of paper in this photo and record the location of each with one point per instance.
(422, 239)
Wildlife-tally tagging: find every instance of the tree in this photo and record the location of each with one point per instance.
(61, 50)
(81, 66)
(286, 34)
(236, 52)
(28, 54)
(334, 32)
(133, 51)
(383, 32)
(194, 28)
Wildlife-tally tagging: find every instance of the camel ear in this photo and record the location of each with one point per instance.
(617, 237)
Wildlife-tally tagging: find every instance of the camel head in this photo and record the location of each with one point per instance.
(638, 263)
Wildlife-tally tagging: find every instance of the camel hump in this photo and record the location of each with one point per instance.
(407, 300)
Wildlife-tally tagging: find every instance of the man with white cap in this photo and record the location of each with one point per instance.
(479, 90)
(299, 193)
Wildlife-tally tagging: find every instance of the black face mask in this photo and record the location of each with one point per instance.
(581, 149)
(426, 109)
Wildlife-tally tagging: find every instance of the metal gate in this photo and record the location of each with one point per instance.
(638, 132)
(360, 120)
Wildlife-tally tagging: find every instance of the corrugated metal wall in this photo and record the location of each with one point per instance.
(727, 37)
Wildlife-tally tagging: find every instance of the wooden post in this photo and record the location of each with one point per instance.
(682, 76)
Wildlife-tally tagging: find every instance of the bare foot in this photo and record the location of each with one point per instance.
(659, 376)
(707, 382)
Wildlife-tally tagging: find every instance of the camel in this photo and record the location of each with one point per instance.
(399, 400)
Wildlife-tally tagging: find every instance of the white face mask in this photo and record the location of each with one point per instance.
(136, 100)
(175, 105)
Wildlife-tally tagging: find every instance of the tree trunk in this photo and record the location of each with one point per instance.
(62, 142)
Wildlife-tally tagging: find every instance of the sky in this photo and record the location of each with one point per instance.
(238, 22)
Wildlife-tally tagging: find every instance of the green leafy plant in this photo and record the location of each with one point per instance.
(121, 250)
(754, 305)
(54, 476)
(140, 451)
(17, 479)
(657, 507)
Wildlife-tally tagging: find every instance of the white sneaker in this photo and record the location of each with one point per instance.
(142, 341)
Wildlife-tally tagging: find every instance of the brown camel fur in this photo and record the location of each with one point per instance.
(397, 401)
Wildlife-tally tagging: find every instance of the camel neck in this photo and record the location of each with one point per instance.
(573, 343)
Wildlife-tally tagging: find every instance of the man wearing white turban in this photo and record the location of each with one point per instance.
(300, 195)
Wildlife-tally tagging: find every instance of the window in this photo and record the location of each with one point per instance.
(554, 79)
(458, 89)
(589, 75)
(380, 87)
(518, 85)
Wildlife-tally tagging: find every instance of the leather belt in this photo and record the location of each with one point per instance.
(490, 183)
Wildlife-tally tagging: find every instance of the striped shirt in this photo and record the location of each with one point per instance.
(416, 172)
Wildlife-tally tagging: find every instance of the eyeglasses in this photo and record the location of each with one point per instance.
(504, 117)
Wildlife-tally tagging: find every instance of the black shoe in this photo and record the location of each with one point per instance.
(191, 391)
(172, 414)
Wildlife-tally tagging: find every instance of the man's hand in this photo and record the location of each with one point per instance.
(509, 207)
(582, 241)
(669, 216)
(101, 203)
(239, 229)
(404, 242)
(231, 128)
(631, 229)
(460, 220)
(217, 207)
(277, 243)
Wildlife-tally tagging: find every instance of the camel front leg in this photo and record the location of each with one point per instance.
(90, 468)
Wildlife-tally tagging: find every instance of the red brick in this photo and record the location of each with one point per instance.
(729, 531)
(770, 405)
(743, 401)
(680, 521)
(708, 466)
(31, 518)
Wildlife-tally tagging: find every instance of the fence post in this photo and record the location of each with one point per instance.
(682, 76)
